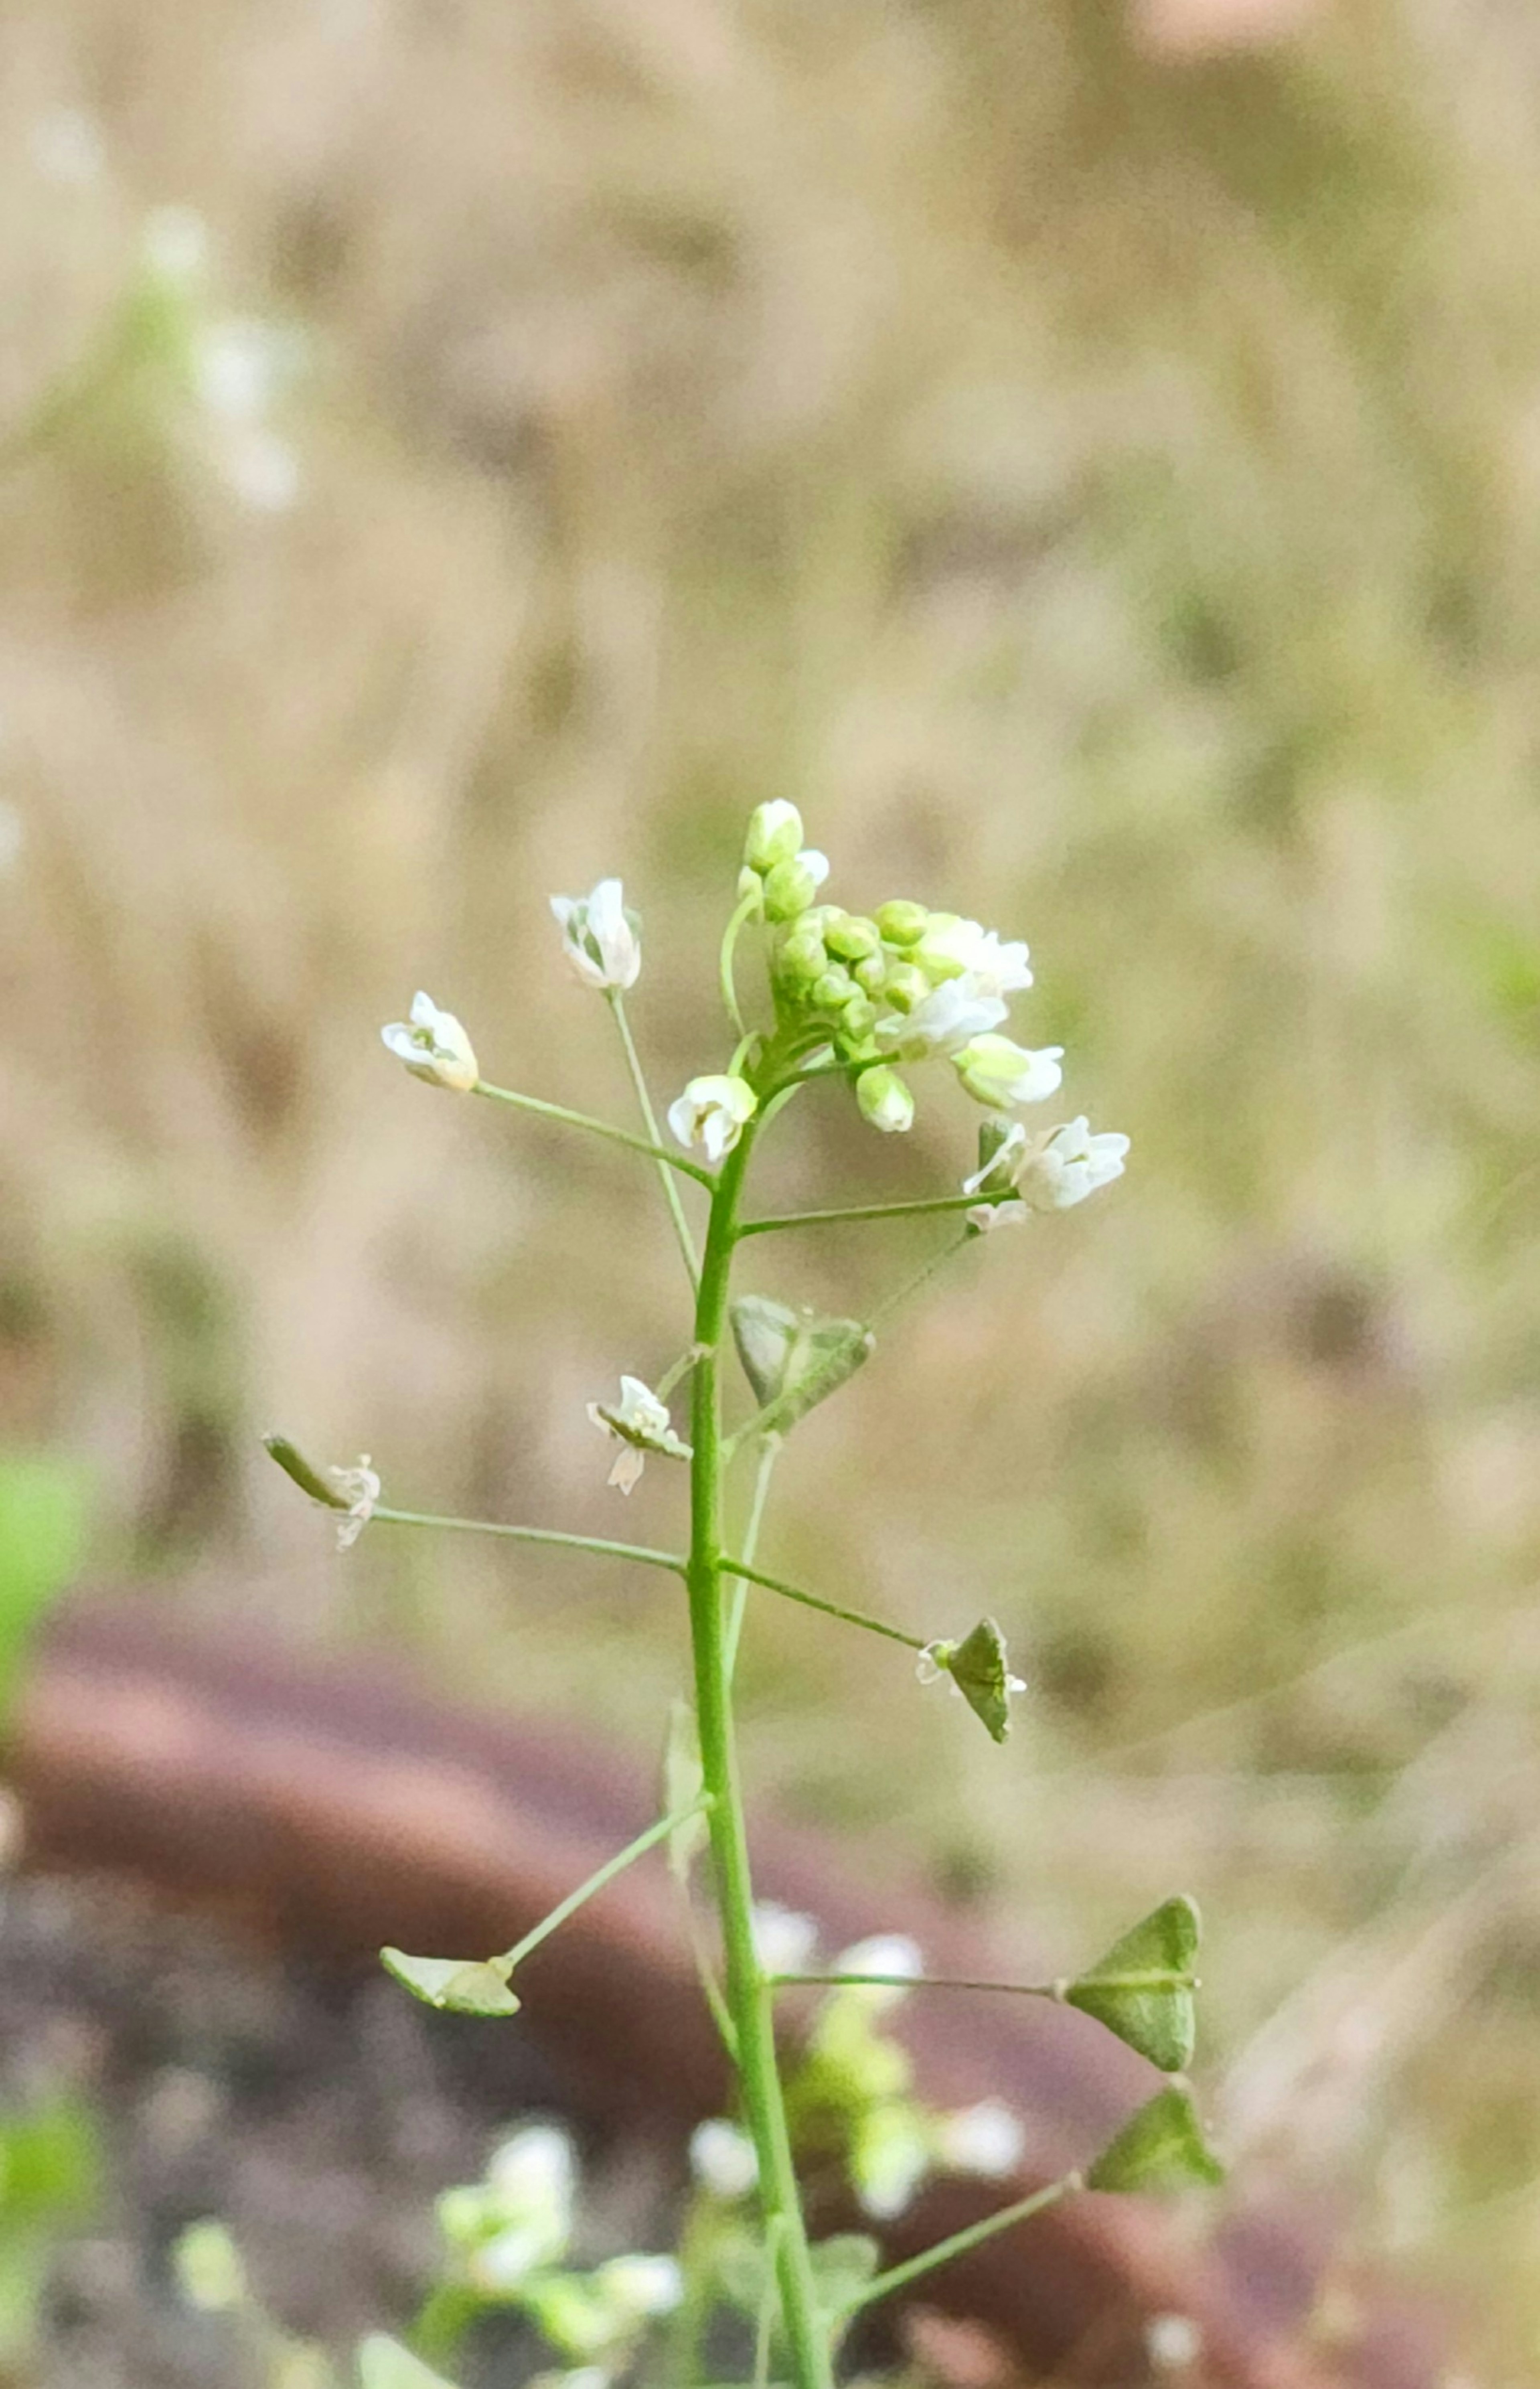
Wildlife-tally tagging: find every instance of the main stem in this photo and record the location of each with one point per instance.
(749, 1995)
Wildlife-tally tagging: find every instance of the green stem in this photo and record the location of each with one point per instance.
(601, 1876)
(914, 1210)
(922, 1276)
(745, 911)
(644, 1101)
(741, 1568)
(672, 1560)
(749, 1998)
(769, 1453)
(898, 2277)
(597, 1128)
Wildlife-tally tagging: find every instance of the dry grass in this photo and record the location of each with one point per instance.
(1102, 491)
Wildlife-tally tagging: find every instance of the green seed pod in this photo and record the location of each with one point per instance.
(906, 986)
(852, 938)
(833, 991)
(871, 976)
(901, 923)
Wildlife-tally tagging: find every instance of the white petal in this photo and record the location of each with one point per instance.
(629, 1465)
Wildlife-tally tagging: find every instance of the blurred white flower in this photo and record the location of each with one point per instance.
(434, 1046)
(259, 468)
(360, 1488)
(174, 243)
(941, 1022)
(1173, 2341)
(1070, 1164)
(999, 1072)
(996, 965)
(639, 2289)
(722, 2158)
(65, 146)
(640, 1423)
(783, 1939)
(881, 1953)
(598, 937)
(710, 1114)
(986, 2140)
(890, 2155)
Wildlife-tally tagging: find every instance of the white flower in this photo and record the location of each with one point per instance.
(360, 1488)
(890, 2155)
(641, 1424)
(1069, 1165)
(882, 1953)
(598, 937)
(722, 2158)
(986, 2140)
(999, 1072)
(941, 1022)
(996, 965)
(639, 2289)
(433, 1046)
(710, 1114)
(784, 1940)
(1173, 2341)
(988, 1215)
(532, 2177)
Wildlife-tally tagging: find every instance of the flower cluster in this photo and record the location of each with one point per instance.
(1050, 1172)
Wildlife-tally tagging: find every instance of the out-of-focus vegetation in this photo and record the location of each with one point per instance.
(1104, 491)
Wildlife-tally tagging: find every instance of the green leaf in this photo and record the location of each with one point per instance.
(297, 1467)
(1161, 2148)
(979, 1668)
(1143, 1988)
(42, 1531)
(463, 1986)
(683, 1781)
(794, 1360)
(50, 2164)
(386, 2364)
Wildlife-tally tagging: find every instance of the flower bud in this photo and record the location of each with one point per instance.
(901, 923)
(886, 1102)
(434, 1046)
(774, 835)
(871, 976)
(802, 957)
(858, 1016)
(852, 938)
(599, 937)
(833, 991)
(906, 986)
(999, 1072)
(790, 886)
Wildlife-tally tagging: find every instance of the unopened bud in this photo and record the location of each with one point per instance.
(871, 976)
(802, 957)
(833, 991)
(859, 1017)
(906, 986)
(790, 886)
(901, 923)
(851, 938)
(774, 835)
(886, 1102)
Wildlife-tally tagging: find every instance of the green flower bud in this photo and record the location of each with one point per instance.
(906, 986)
(931, 952)
(833, 991)
(871, 976)
(859, 1017)
(774, 836)
(885, 1102)
(802, 957)
(790, 886)
(852, 938)
(901, 923)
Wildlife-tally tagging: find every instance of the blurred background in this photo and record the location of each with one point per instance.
(1088, 456)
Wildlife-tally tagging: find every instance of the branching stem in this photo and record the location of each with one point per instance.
(649, 1117)
(602, 1875)
(672, 1560)
(898, 2277)
(543, 1110)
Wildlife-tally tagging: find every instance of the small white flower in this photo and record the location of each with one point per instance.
(890, 2156)
(941, 1022)
(599, 938)
(784, 1940)
(640, 1425)
(996, 965)
(986, 2140)
(640, 2289)
(1069, 1165)
(360, 1488)
(503, 2263)
(67, 146)
(434, 1046)
(722, 2158)
(533, 2178)
(999, 1072)
(882, 1953)
(1173, 2341)
(710, 1114)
